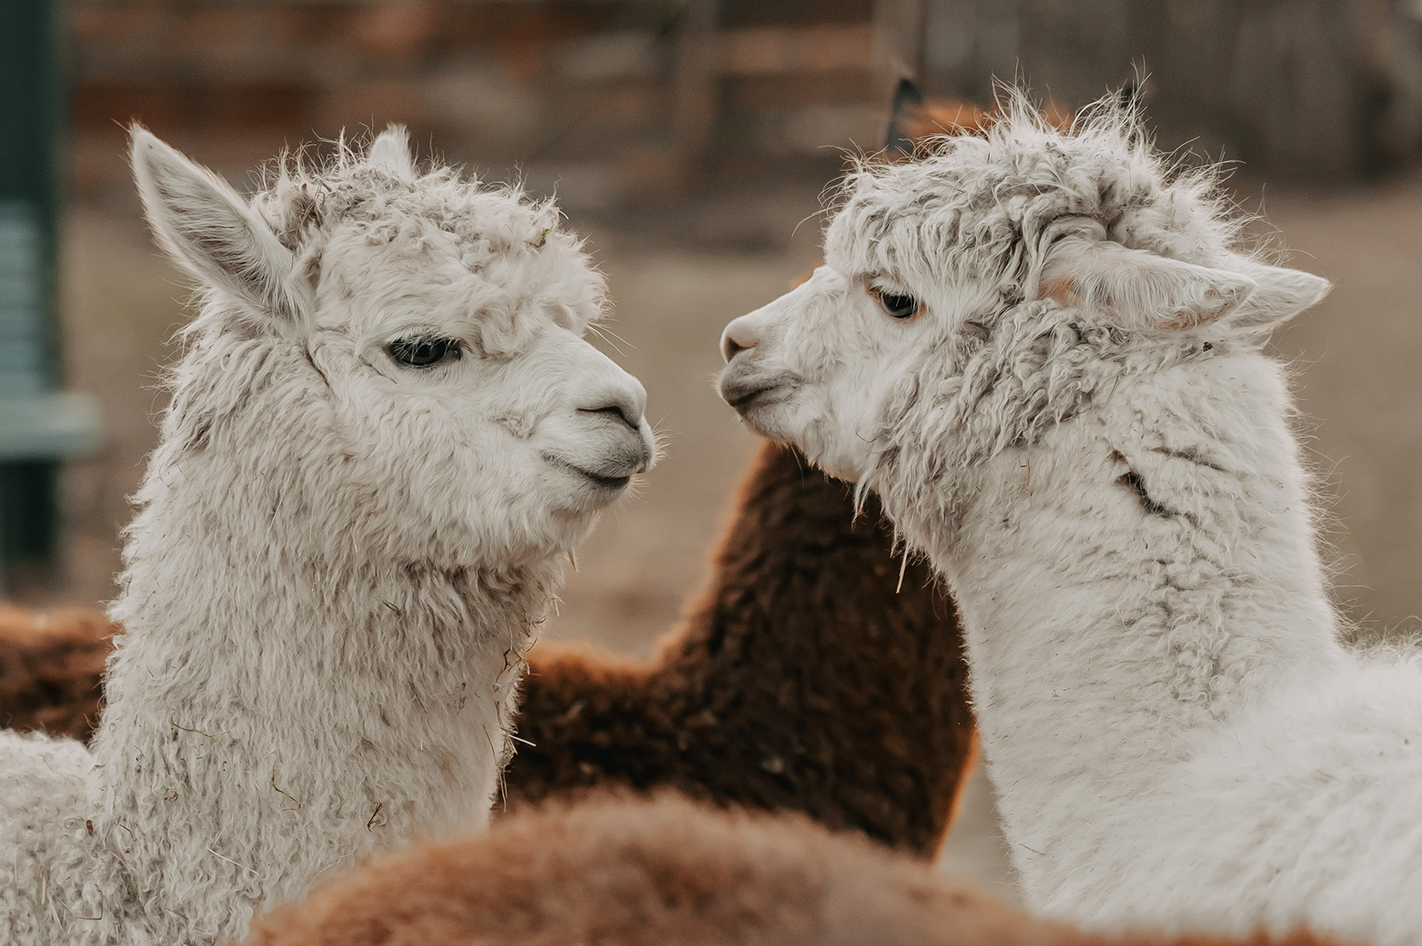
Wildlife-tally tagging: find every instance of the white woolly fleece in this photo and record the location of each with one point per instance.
(1078, 428)
(339, 558)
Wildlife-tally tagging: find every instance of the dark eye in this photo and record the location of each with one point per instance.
(897, 306)
(423, 351)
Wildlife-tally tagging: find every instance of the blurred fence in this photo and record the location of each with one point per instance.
(619, 100)
(635, 101)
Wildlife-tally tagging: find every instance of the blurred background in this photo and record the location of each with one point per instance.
(690, 140)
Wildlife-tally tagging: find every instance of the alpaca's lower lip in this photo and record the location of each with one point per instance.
(601, 481)
(607, 482)
(744, 401)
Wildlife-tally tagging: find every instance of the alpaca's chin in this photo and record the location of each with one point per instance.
(828, 460)
(769, 423)
(762, 409)
(783, 420)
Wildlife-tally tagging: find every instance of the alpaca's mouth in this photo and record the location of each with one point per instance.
(611, 483)
(607, 482)
(748, 393)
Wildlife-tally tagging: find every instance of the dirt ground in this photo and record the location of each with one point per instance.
(1355, 359)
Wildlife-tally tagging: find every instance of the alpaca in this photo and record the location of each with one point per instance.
(810, 676)
(624, 872)
(1042, 350)
(385, 438)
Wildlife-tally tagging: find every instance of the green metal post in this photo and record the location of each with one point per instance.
(38, 424)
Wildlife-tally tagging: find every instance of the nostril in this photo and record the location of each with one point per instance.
(624, 406)
(736, 339)
(612, 410)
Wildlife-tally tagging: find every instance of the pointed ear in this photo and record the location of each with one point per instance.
(904, 118)
(1282, 293)
(210, 231)
(1137, 289)
(391, 152)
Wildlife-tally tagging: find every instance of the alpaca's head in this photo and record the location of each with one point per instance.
(976, 297)
(391, 358)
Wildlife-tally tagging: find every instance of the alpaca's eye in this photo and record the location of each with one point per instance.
(423, 351)
(897, 306)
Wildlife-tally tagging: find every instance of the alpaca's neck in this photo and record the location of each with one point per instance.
(1127, 583)
(273, 716)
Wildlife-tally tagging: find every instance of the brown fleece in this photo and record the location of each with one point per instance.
(618, 871)
(50, 667)
(802, 681)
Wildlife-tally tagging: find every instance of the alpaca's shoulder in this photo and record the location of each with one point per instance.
(1305, 808)
(1343, 746)
(1362, 715)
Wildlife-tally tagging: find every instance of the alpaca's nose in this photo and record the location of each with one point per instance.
(741, 335)
(626, 402)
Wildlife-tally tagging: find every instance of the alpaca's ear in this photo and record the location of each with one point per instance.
(1282, 293)
(904, 118)
(1136, 288)
(390, 151)
(211, 232)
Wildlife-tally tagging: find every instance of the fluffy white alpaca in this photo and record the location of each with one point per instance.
(385, 436)
(1043, 350)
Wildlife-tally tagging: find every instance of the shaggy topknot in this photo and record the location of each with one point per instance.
(976, 202)
(301, 196)
(374, 191)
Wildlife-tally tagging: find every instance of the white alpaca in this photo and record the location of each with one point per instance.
(385, 437)
(1043, 350)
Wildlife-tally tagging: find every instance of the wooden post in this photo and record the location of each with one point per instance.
(696, 96)
(898, 43)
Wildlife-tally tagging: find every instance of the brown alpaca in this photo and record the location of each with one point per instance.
(801, 681)
(618, 871)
